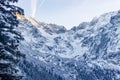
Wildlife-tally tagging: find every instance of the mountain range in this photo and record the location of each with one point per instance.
(89, 51)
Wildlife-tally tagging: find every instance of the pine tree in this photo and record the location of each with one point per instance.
(9, 41)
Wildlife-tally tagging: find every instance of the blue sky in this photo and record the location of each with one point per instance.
(69, 13)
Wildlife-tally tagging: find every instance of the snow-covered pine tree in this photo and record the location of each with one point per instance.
(9, 41)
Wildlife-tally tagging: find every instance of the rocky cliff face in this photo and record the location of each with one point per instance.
(90, 51)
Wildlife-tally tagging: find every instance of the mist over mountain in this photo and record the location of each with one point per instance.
(89, 51)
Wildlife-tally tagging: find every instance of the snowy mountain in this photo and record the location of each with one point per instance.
(90, 51)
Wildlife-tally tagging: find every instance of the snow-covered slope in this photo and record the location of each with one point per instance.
(90, 51)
